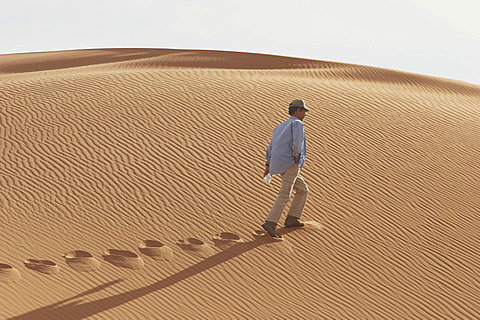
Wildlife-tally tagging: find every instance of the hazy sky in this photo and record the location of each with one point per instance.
(433, 37)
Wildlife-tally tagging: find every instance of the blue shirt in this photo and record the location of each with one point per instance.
(289, 140)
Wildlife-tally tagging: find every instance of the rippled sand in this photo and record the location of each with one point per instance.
(130, 188)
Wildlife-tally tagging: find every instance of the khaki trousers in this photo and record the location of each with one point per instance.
(291, 179)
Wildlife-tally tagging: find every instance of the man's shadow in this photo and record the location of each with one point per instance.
(76, 309)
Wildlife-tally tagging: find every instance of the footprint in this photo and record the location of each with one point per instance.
(264, 234)
(156, 250)
(9, 273)
(81, 261)
(198, 247)
(313, 225)
(225, 240)
(42, 266)
(279, 244)
(123, 258)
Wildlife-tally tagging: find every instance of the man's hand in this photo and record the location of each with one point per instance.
(267, 171)
(297, 159)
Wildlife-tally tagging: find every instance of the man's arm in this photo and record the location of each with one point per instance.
(298, 135)
(268, 155)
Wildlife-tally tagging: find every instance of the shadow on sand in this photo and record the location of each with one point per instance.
(76, 308)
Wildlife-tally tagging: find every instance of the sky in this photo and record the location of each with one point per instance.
(432, 37)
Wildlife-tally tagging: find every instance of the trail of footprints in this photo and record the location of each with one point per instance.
(84, 261)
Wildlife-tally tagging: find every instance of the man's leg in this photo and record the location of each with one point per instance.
(288, 182)
(299, 199)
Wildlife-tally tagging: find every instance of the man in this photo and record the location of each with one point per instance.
(285, 156)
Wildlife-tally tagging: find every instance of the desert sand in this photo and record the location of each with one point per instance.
(131, 188)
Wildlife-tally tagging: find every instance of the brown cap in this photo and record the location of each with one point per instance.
(299, 103)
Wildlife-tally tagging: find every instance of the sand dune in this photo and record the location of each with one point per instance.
(103, 149)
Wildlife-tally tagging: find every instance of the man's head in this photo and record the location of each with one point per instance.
(298, 109)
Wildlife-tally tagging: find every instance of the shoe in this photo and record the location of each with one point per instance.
(293, 222)
(271, 228)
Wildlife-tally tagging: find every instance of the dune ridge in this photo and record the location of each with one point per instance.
(105, 148)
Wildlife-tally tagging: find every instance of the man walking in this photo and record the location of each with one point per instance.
(285, 156)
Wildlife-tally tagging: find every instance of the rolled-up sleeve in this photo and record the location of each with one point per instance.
(298, 136)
